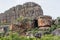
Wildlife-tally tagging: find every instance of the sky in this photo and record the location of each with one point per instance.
(50, 7)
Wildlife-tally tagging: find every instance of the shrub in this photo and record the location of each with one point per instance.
(52, 28)
(15, 36)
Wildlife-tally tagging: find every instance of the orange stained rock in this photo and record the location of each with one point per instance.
(40, 22)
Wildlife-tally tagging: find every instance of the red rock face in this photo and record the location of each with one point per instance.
(22, 27)
(44, 21)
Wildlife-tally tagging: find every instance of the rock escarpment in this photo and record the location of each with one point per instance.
(29, 9)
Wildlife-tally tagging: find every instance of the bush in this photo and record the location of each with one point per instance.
(15, 36)
(52, 28)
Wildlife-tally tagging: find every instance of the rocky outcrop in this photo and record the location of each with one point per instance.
(32, 10)
(21, 27)
(44, 21)
(29, 9)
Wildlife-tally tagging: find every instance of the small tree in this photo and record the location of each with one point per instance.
(57, 21)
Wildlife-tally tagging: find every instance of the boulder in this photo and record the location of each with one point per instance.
(38, 34)
(56, 32)
(44, 21)
(29, 34)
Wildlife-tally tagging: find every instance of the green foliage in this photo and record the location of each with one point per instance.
(50, 37)
(15, 36)
(4, 23)
(21, 18)
(52, 28)
(57, 21)
(34, 30)
(58, 26)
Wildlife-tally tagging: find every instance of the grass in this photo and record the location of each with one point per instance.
(17, 37)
